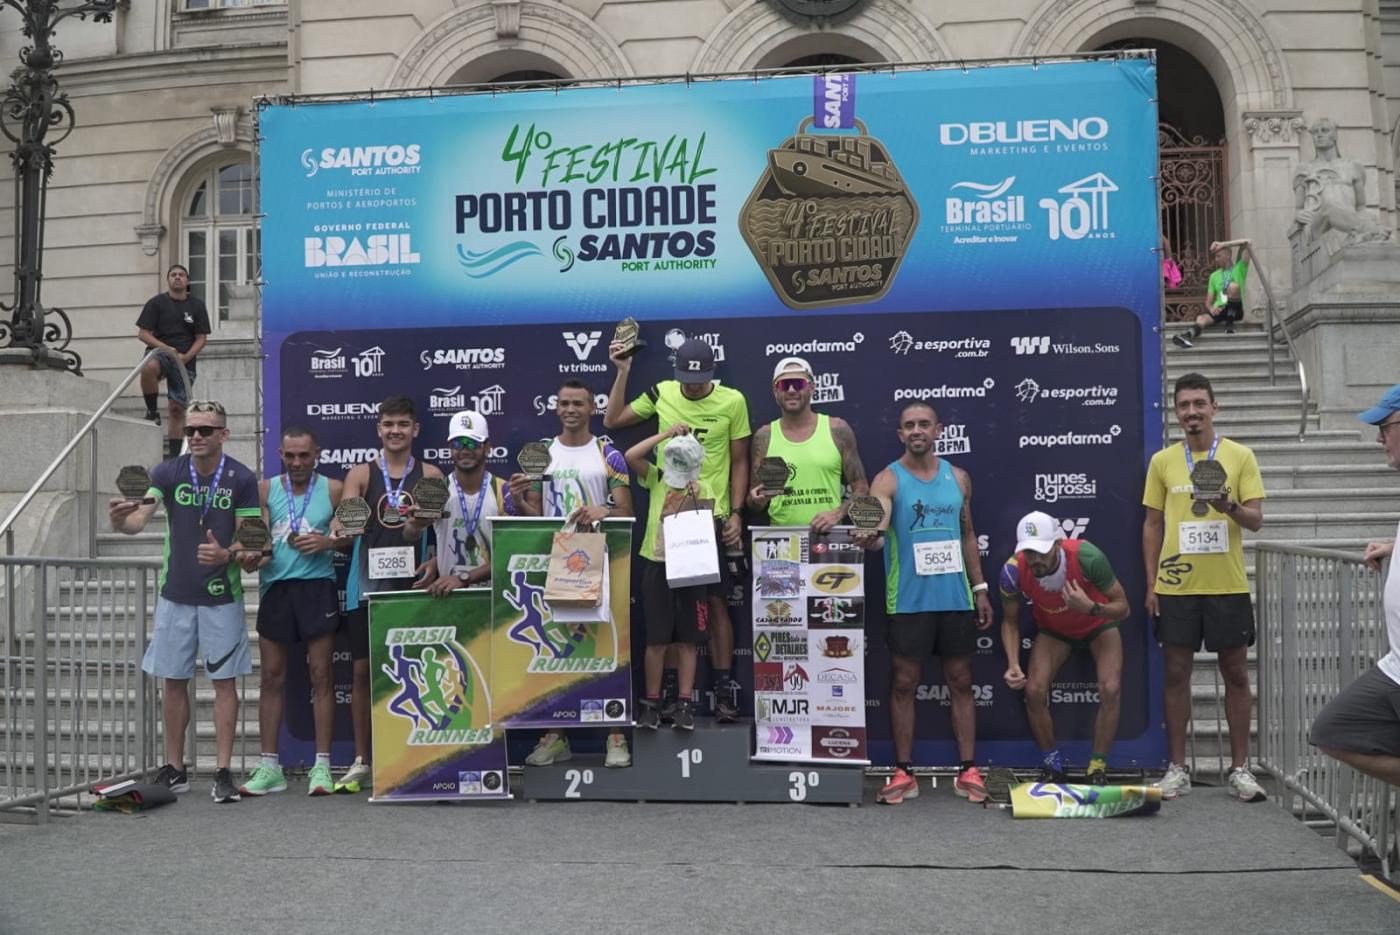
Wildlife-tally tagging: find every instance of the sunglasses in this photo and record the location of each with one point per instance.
(465, 444)
(206, 405)
(203, 431)
(793, 384)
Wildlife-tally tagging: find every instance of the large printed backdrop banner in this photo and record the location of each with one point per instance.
(983, 239)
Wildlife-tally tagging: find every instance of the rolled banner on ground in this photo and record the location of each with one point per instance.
(1064, 800)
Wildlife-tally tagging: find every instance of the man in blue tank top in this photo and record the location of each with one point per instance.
(298, 603)
(936, 599)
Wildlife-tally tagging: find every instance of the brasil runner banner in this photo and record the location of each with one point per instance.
(430, 686)
(546, 673)
(808, 646)
(981, 238)
(1063, 800)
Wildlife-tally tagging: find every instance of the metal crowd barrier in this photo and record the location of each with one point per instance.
(1321, 623)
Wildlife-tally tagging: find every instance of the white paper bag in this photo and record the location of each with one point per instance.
(692, 549)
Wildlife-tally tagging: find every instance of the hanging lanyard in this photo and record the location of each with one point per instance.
(1190, 464)
(480, 502)
(396, 494)
(295, 516)
(212, 489)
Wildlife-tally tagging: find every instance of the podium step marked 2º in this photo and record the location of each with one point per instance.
(708, 764)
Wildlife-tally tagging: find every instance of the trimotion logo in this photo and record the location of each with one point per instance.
(1028, 391)
(944, 391)
(364, 160)
(1023, 131)
(463, 358)
(1052, 488)
(902, 342)
(1071, 439)
(816, 347)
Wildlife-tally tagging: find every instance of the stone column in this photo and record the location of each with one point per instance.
(1273, 152)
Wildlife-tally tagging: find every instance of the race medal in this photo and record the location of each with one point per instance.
(132, 482)
(534, 460)
(795, 219)
(866, 512)
(353, 514)
(629, 334)
(429, 497)
(1200, 508)
(773, 474)
(252, 535)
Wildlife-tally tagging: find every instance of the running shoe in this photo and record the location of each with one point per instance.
(1047, 774)
(552, 748)
(1181, 340)
(648, 716)
(1245, 786)
(900, 787)
(1097, 773)
(354, 778)
(683, 716)
(176, 780)
(970, 786)
(667, 711)
(223, 789)
(319, 781)
(618, 754)
(727, 703)
(152, 416)
(1176, 782)
(265, 779)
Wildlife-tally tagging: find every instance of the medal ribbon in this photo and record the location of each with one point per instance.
(295, 516)
(396, 494)
(1210, 456)
(212, 488)
(480, 502)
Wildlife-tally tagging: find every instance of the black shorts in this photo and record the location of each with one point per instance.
(934, 633)
(1364, 718)
(673, 615)
(1220, 621)
(298, 610)
(1230, 311)
(357, 626)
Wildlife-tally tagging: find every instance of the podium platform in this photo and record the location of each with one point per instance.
(709, 764)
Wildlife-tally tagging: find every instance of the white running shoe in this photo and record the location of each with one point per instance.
(1176, 782)
(1245, 786)
(552, 748)
(618, 754)
(355, 778)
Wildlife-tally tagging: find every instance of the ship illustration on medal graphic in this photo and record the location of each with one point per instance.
(830, 218)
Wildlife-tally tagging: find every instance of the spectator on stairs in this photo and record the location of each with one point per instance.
(1224, 291)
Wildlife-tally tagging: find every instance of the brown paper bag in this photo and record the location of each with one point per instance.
(577, 563)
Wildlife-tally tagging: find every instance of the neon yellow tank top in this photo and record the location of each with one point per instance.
(815, 469)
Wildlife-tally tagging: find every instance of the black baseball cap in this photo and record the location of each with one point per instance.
(695, 362)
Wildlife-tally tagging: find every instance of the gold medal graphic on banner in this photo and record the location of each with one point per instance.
(830, 218)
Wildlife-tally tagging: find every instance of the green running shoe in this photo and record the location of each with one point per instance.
(265, 779)
(319, 781)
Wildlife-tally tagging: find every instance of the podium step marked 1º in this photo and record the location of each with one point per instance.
(708, 764)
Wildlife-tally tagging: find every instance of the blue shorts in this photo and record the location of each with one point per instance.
(218, 633)
(175, 389)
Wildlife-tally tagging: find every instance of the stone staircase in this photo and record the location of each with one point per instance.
(1332, 490)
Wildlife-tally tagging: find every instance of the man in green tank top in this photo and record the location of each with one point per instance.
(820, 452)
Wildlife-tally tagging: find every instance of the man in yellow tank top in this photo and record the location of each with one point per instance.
(820, 451)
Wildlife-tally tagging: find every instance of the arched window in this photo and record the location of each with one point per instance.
(218, 242)
(823, 60)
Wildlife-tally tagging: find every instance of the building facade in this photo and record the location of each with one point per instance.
(161, 166)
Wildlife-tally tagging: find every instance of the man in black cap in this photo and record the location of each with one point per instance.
(718, 417)
(178, 321)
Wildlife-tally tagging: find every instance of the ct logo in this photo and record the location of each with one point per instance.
(838, 579)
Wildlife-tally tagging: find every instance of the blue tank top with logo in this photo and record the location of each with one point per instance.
(924, 514)
(287, 562)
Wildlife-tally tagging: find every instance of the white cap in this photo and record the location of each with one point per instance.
(792, 366)
(681, 460)
(1038, 532)
(468, 424)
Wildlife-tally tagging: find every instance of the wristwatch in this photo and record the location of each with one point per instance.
(1094, 611)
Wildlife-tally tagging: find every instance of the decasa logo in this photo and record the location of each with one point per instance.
(393, 159)
(463, 358)
(1092, 439)
(836, 579)
(1050, 130)
(945, 391)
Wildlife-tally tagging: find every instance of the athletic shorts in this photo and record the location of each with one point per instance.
(1230, 311)
(1220, 621)
(298, 610)
(933, 633)
(1082, 642)
(673, 615)
(175, 389)
(219, 634)
(357, 627)
(1364, 718)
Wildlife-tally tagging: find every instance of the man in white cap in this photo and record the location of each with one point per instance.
(474, 496)
(820, 452)
(1361, 726)
(1077, 603)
